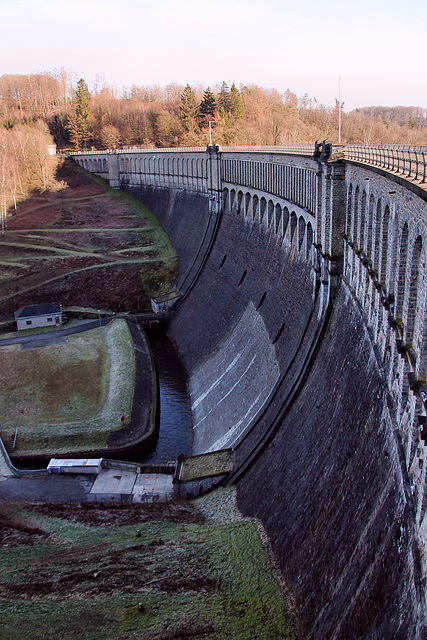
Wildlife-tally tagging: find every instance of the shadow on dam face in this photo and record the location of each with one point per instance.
(294, 385)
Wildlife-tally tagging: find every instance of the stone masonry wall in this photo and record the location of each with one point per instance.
(240, 326)
(331, 492)
(303, 334)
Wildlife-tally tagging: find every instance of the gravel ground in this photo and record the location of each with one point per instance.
(220, 506)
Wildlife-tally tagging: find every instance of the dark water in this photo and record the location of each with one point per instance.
(175, 433)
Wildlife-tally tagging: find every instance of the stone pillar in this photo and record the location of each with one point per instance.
(331, 215)
(337, 216)
(214, 179)
(114, 171)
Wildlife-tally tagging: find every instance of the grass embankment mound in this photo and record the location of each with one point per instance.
(78, 573)
(84, 244)
(70, 396)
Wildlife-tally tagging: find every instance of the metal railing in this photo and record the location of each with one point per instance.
(291, 149)
(295, 149)
(405, 160)
(409, 161)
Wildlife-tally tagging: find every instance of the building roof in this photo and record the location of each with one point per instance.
(165, 297)
(34, 310)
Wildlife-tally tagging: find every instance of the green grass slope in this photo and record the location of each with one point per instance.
(70, 396)
(79, 573)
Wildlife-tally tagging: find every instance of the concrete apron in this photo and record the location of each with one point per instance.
(5, 470)
(141, 487)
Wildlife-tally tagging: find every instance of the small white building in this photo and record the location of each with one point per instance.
(75, 465)
(39, 315)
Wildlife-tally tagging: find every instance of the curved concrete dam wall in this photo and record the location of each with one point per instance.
(290, 359)
(329, 485)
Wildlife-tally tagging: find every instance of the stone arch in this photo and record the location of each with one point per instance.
(255, 208)
(262, 208)
(349, 211)
(270, 214)
(377, 238)
(225, 197)
(385, 223)
(232, 198)
(309, 242)
(247, 204)
(412, 307)
(390, 275)
(362, 222)
(370, 233)
(294, 223)
(239, 202)
(401, 276)
(278, 219)
(285, 220)
(104, 166)
(301, 232)
(356, 216)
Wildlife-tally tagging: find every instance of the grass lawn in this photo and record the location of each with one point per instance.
(79, 573)
(68, 396)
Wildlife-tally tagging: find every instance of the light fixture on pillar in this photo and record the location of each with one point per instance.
(211, 122)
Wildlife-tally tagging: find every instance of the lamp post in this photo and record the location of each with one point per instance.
(99, 314)
(211, 122)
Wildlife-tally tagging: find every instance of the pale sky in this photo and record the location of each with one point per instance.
(376, 47)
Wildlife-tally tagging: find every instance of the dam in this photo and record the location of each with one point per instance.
(302, 328)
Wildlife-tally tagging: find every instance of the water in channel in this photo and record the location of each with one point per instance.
(175, 433)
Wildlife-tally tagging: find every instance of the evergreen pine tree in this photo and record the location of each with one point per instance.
(81, 118)
(224, 99)
(207, 108)
(236, 103)
(189, 108)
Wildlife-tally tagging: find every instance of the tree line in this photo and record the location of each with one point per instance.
(25, 164)
(81, 116)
